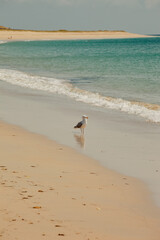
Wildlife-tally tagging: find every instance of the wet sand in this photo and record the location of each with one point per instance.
(121, 142)
(62, 35)
(49, 191)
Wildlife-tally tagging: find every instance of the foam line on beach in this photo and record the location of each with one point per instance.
(2, 42)
(150, 112)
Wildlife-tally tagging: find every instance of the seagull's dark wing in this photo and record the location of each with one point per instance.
(79, 125)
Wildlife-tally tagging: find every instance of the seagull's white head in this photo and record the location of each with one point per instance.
(84, 117)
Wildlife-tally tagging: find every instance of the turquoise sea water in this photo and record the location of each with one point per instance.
(120, 74)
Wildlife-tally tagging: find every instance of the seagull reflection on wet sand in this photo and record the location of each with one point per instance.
(80, 140)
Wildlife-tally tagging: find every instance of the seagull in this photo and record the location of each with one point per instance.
(82, 124)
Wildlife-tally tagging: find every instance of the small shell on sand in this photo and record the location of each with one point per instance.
(37, 207)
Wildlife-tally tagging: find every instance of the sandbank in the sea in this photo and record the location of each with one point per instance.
(64, 35)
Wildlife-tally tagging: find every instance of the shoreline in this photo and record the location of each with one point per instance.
(64, 35)
(49, 190)
(123, 143)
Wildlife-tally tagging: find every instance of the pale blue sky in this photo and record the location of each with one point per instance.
(138, 16)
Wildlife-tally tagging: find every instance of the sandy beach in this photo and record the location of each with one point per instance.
(49, 191)
(61, 177)
(62, 35)
(57, 184)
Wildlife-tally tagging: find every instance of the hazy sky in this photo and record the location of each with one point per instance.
(138, 16)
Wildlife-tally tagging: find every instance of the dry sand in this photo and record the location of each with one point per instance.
(49, 191)
(47, 35)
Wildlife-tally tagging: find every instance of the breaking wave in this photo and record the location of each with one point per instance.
(150, 112)
(1, 42)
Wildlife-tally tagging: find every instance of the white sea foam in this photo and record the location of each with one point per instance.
(1, 42)
(62, 87)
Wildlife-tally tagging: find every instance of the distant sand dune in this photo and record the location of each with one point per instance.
(63, 34)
